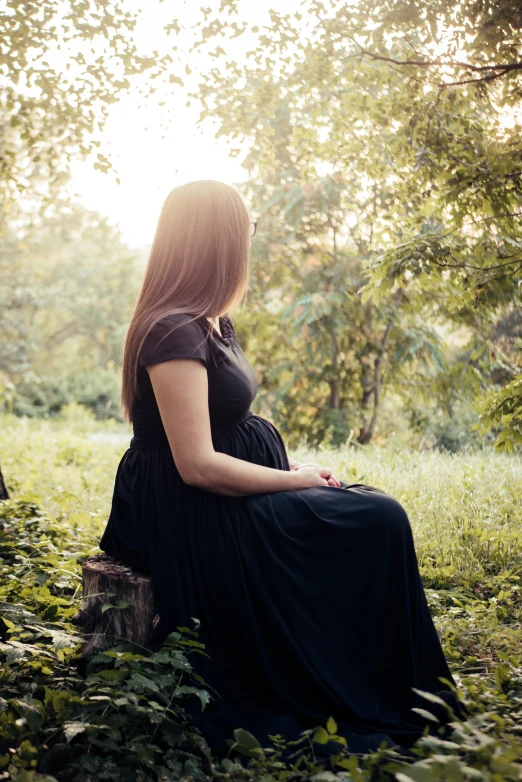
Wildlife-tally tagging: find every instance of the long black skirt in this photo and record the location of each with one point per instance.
(310, 602)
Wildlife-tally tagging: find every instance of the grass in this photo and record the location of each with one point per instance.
(466, 516)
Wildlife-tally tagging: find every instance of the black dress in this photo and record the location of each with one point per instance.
(310, 601)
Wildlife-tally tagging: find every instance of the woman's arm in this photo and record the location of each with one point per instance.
(181, 390)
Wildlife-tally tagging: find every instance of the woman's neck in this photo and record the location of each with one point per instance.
(215, 323)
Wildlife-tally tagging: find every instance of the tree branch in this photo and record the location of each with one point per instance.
(505, 68)
(475, 268)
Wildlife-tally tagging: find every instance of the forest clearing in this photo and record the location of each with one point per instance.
(122, 720)
(346, 179)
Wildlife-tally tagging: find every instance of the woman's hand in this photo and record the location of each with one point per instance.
(331, 480)
(308, 476)
(328, 479)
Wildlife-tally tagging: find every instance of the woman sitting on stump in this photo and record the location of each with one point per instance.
(307, 588)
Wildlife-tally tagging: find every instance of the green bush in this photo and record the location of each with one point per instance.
(449, 429)
(98, 390)
(122, 714)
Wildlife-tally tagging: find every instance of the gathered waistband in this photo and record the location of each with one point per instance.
(159, 440)
(221, 427)
(141, 444)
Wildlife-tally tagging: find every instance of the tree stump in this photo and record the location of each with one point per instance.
(4, 494)
(118, 604)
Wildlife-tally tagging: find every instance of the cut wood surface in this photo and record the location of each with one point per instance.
(118, 604)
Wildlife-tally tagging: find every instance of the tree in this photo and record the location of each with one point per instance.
(327, 360)
(408, 107)
(62, 64)
(69, 284)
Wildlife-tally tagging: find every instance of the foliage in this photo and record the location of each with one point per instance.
(383, 155)
(61, 66)
(69, 288)
(446, 427)
(97, 390)
(360, 167)
(70, 284)
(386, 129)
(332, 359)
(123, 715)
(502, 409)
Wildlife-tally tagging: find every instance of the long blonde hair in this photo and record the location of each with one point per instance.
(198, 264)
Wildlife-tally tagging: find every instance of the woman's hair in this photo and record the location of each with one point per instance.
(198, 264)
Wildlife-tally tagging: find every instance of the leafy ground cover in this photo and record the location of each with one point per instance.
(120, 714)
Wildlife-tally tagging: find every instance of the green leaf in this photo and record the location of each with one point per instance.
(246, 739)
(114, 675)
(321, 736)
(430, 696)
(426, 714)
(246, 744)
(331, 725)
(73, 729)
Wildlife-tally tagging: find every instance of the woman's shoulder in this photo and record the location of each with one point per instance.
(182, 321)
(175, 335)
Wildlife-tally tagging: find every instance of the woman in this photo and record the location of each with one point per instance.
(307, 588)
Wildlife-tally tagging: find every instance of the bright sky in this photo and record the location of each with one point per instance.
(148, 165)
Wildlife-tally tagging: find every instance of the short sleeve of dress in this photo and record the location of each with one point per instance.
(174, 336)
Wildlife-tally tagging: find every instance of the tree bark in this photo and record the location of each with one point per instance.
(335, 397)
(366, 433)
(118, 604)
(4, 494)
